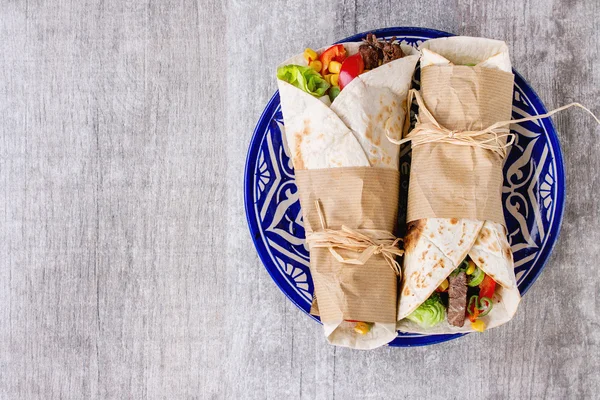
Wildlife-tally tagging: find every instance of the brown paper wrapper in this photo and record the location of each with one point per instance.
(359, 198)
(451, 181)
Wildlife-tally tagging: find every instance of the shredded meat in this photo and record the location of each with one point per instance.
(457, 299)
(375, 52)
(391, 51)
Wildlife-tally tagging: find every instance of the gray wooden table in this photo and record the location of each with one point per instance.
(126, 266)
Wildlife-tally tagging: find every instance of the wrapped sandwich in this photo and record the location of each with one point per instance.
(338, 104)
(458, 267)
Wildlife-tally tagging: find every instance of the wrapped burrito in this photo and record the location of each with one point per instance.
(338, 103)
(458, 272)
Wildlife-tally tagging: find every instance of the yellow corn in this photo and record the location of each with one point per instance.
(316, 65)
(327, 77)
(443, 286)
(471, 268)
(335, 67)
(310, 55)
(333, 79)
(478, 325)
(362, 328)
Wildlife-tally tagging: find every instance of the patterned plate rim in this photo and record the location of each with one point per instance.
(543, 255)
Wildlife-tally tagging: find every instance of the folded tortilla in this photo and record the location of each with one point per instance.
(350, 132)
(434, 247)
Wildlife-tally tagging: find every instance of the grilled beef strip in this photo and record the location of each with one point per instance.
(457, 299)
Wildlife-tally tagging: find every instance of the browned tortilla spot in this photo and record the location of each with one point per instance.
(507, 252)
(406, 291)
(481, 260)
(453, 221)
(394, 104)
(460, 242)
(495, 247)
(414, 232)
(298, 161)
(485, 234)
(429, 275)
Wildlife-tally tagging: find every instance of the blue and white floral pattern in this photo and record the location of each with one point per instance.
(533, 194)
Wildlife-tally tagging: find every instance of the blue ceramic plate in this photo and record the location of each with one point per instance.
(533, 195)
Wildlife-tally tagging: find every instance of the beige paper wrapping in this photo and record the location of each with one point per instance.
(360, 198)
(451, 181)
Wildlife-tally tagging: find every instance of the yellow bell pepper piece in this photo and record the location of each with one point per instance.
(471, 268)
(362, 328)
(335, 67)
(334, 79)
(478, 325)
(443, 286)
(310, 55)
(316, 65)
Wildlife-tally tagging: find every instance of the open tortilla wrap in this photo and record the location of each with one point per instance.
(434, 247)
(350, 132)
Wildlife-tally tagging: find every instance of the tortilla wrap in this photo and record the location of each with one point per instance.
(434, 247)
(351, 132)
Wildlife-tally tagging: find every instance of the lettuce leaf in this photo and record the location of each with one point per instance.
(430, 313)
(304, 78)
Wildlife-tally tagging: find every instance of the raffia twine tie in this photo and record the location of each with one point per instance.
(490, 138)
(366, 243)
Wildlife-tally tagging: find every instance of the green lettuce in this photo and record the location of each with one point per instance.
(430, 313)
(304, 78)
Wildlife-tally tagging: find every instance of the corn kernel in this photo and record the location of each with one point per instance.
(478, 325)
(471, 268)
(443, 286)
(362, 328)
(334, 79)
(335, 67)
(310, 55)
(316, 65)
(327, 78)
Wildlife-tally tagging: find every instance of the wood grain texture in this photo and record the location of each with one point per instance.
(126, 267)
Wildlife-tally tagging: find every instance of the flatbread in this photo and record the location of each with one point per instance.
(434, 247)
(351, 132)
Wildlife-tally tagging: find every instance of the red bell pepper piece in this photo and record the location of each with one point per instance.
(337, 52)
(487, 287)
(351, 68)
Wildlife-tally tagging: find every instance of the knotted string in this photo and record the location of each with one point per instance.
(366, 243)
(490, 138)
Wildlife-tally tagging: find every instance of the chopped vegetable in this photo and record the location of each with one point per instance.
(476, 277)
(351, 68)
(487, 287)
(471, 267)
(335, 67)
(310, 55)
(334, 92)
(430, 313)
(335, 79)
(362, 327)
(443, 286)
(316, 65)
(337, 52)
(486, 306)
(478, 325)
(304, 78)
